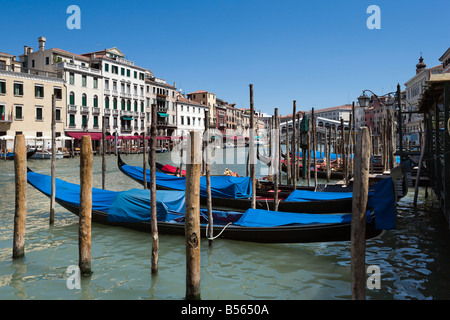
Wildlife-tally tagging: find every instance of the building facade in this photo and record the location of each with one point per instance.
(190, 115)
(26, 103)
(83, 84)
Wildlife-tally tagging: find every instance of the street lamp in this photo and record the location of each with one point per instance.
(363, 101)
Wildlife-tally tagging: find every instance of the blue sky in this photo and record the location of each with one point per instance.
(320, 54)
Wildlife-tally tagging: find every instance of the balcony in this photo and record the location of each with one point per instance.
(142, 114)
(107, 92)
(126, 128)
(72, 108)
(84, 109)
(115, 112)
(5, 118)
(107, 112)
(95, 111)
(75, 67)
(126, 113)
(115, 93)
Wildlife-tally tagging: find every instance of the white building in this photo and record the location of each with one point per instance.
(123, 91)
(412, 122)
(190, 115)
(83, 83)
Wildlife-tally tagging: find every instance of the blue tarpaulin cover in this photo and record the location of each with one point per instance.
(221, 186)
(383, 203)
(265, 218)
(70, 192)
(134, 206)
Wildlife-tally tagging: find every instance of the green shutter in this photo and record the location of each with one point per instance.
(107, 103)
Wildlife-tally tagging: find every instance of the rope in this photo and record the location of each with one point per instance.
(213, 238)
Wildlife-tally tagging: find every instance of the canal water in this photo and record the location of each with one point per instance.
(413, 260)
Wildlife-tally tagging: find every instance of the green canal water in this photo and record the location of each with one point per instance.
(413, 260)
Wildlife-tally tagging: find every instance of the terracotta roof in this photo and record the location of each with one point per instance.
(180, 98)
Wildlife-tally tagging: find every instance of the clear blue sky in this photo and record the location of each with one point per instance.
(320, 54)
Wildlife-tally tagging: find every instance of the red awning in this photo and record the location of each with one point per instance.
(78, 135)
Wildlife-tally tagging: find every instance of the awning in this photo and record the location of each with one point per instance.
(163, 114)
(78, 135)
(127, 118)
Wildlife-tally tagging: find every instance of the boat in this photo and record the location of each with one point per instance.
(235, 193)
(131, 209)
(334, 175)
(169, 169)
(10, 155)
(47, 155)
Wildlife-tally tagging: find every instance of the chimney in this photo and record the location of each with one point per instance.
(25, 50)
(30, 50)
(41, 43)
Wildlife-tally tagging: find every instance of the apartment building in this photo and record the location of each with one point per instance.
(26, 102)
(190, 115)
(123, 91)
(84, 86)
(164, 97)
(209, 99)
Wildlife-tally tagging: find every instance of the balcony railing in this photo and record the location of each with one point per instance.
(84, 109)
(72, 66)
(72, 108)
(126, 128)
(95, 110)
(5, 118)
(107, 112)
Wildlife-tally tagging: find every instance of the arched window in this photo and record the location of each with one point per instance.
(135, 106)
(115, 104)
(84, 100)
(72, 98)
(128, 105)
(122, 104)
(107, 102)
(95, 101)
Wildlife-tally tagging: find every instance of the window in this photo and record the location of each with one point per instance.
(39, 114)
(122, 71)
(128, 105)
(2, 87)
(18, 115)
(83, 81)
(57, 91)
(38, 91)
(106, 84)
(72, 98)
(135, 74)
(141, 76)
(128, 72)
(84, 100)
(84, 121)
(122, 104)
(47, 60)
(95, 101)
(115, 104)
(58, 114)
(142, 106)
(115, 69)
(107, 103)
(71, 78)
(72, 120)
(18, 88)
(106, 67)
(182, 120)
(135, 106)
(95, 83)
(95, 121)
(122, 87)
(32, 64)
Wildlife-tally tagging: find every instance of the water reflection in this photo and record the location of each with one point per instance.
(413, 259)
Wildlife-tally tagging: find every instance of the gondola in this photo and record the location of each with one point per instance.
(10, 155)
(334, 175)
(298, 201)
(131, 209)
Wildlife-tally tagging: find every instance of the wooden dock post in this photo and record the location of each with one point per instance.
(359, 209)
(252, 148)
(144, 160)
(103, 153)
(313, 119)
(20, 215)
(275, 160)
(53, 162)
(293, 148)
(192, 218)
(208, 182)
(85, 214)
(288, 156)
(154, 224)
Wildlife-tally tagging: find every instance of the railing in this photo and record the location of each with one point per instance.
(72, 108)
(5, 118)
(126, 128)
(95, 110)
(84, 109)
(107, 112)
(115, 112)
(73, 66)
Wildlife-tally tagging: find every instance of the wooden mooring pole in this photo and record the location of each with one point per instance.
(252, 148)
(208, 182)
(103, 152)
(20, 216)
(359, 209)
(192, 218)
(53, 163)
(293, 148)
(154, 224)
(85, 214)
(276, 159)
